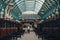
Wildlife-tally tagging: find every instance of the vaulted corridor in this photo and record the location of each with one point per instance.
(29, 19)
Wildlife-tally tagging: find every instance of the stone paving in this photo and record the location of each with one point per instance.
(29, 36)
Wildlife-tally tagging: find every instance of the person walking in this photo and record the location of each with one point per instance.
(28, 29)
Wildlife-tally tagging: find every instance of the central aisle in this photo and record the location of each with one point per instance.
(29, 36)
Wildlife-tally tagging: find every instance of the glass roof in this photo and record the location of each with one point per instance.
(29, 5)
(43, 8)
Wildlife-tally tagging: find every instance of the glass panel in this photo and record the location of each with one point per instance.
(29, 5)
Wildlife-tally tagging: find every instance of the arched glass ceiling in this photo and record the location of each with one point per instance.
(20, 6)
(28, 5)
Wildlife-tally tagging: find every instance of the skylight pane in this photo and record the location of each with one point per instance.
(39, 4)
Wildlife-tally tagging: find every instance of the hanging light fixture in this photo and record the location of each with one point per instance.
(42, 11)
